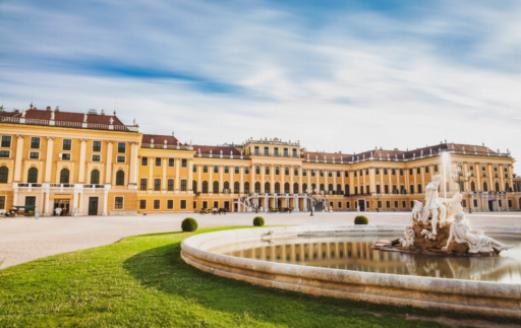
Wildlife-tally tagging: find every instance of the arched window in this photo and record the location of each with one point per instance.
(313, 188)
(472, 186)
(485, 186)
(277, 188)
(507, 187)
(338, 189)
(236, 187)
(267, 187)
(194, 186)
(226, 186)
(4, 174)
(346, 189)
(257, 187)
(286, 188)
(94, 177)
(215, 187)
(305, 188)
(330, 188)
(32, 175)
(247, 187)
(205, 187)
(64, 176)
(497, 187)
(295, 188)
(120, 178)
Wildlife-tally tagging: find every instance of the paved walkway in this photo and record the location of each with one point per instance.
(25, 239)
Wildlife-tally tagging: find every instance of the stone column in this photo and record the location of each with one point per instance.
(18, 159)
(343, 181)
(190, 175)
(334, 182)
(300, 180)
(241, 181)
(232, 180)
(83, 157)
(199, 179)
(263, 173)
(221, 178)
(309, 182)
(372, 182)
(108, 164)
(49, 160)
(272, 180)
(164, 182)
(291, 179)
(477, 169)
(150, 185)
(176, 178)
(133, 164)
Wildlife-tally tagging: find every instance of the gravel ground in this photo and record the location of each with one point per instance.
(25, 239)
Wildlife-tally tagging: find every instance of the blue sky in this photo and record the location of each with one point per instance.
(336, 75)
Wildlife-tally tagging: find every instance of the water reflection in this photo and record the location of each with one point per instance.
(360, 255)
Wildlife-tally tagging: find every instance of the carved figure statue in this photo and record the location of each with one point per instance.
(477, 242)
(434, 207)
(408, 237)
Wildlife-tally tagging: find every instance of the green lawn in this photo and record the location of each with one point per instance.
(142, 282)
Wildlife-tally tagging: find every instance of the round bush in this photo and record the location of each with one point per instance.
(189, 224)
(258, 221)
(361, 219)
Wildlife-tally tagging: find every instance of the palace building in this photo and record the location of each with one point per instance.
(94, 164)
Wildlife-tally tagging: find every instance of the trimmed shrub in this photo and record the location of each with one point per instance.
(361, 219)
(189, 224)
(258, 221)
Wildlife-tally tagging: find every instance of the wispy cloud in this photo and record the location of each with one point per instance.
(344, 75)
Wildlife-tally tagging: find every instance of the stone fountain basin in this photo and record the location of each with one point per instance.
(207, 253)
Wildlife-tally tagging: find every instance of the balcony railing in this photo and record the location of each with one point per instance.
(68, 124)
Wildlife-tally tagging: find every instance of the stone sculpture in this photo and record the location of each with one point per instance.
(439, 227)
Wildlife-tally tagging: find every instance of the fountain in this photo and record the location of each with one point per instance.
(439, 226)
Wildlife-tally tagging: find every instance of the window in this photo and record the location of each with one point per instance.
(64, 176)
(183, 185)
(286, 171)
(144, 161)
(170, 185)
(94, 177)
(205, 169)
(158, 161)
(96, 158)
(66, 157)
(286, 152)
(157, 184)
(215, 187)
(32, 175)
(184, 162)
(6, 141)
(170, 204)
(118, 203)
(226, 169)
(121, 147)
(294, 151)
(267, 170)
(419, 188)
(4, 174)
(171, 162)
(157, 204)
(34, 155)
(183, 204)
(121, 159)
(266, 151)
(236, 187)
(205, 187)
(120, 178)
(4, 153)
(142, 204)
(236, 170)
(277, 171)
(215, 169)
(96, 145)
(276, 151)
(257, 170)
(143, 184)
(2, 202)
(247, 187)
(411, 189)
(35, 143)
(256, 150)
(67, 144)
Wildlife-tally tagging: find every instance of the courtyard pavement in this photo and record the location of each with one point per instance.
(25, 239)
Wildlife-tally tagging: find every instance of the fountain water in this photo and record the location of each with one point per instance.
(446, 169)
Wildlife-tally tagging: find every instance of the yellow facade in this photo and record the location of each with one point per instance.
(93, 164)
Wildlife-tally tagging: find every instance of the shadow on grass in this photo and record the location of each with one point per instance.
(163, 269)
